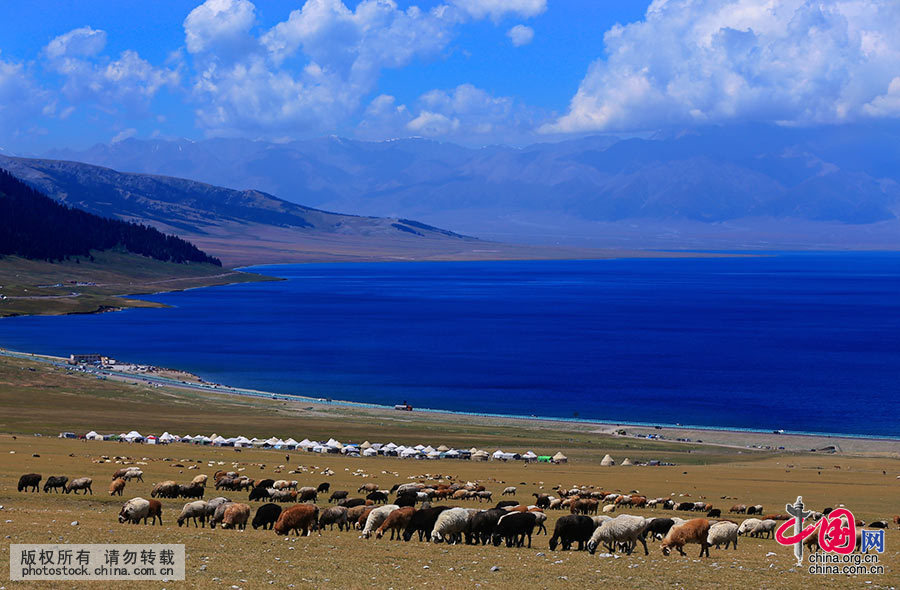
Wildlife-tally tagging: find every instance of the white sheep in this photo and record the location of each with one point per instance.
(509, 491)
(376, 518)
(748, 525)
(134, 510)
(764, 527)
(133, 473)
(610, 497)
(450, 525)
(599, 520)
(609, 508)
(723, 532)
(218, 511)
(540, 521)
(195, 510)
(625, 529)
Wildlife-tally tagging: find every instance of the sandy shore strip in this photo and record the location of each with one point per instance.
(824, 444)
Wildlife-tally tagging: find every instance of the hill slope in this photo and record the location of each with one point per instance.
(762, 182)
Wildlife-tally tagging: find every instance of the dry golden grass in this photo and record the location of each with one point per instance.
(47, 400)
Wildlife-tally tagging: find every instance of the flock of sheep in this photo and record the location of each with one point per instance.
(589, 526)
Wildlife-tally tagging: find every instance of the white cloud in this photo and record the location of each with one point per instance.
(123, 135)
(497, 9)
(520, 35)
(81, 42)
(711, 61)
(218, 24)
(21, 100)
(311, 71)
(465, 113)
(129, 81)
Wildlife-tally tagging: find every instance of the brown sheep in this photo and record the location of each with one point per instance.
(301, 516)
(165, 489)
(361, 522)
(368, 487)
(693, 531)
(739, 509)
(200, 480)
(396, 521)
(117, 487)
(120, 472)
(354, 513)
(236, 516)
(155, 512)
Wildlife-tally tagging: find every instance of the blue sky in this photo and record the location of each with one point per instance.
(473, 71)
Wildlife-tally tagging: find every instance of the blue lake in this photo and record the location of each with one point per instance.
(803, 342)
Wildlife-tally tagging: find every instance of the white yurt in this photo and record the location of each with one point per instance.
(607, 461)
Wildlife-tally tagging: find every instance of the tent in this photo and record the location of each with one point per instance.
(530, 456)
(560, 458)
(498, 454)
(607, 461)
(187, 438)
(242, 441)
(290, 443)
(408, 453)
(452, 454)
(443, 448)
(370, 452)
(167, 438)
(511, 456)
(434, 454)
(92, 435)
(427, 450)
(333, 444)
(151, 440)
(544, 458)
(133, 436)
(366, 445)
(390, 446)
(306, 444)
(219, 441)
(627, 462)
(480, 456)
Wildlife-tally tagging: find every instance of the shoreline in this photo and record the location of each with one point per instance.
(732, 437)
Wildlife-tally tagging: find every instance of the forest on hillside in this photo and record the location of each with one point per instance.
(33, 225)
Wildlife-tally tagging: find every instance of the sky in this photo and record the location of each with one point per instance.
(475, 72)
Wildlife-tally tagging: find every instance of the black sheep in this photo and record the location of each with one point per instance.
(482, 525)
(505, 503)
(264, 483)
(338, 495)
(30, 480)
(259, 494)
(191, 490)
(658, 527)
(54, 482)
(323, 487)
(377, 497)
(266, 515)
(351, 502)
(406, 500)
(686, 506)
(571, 529)
(714, 513)
(422, 522)
(514, 527)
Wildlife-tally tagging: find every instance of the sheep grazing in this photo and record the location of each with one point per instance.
(375, 518)
(335, 515)
(281, 495)
(586, 506)
(692, 531)
(739, 509)
(625, 530)
(878, 524)
(396, 522)
(540, 521)
(714, 513)
(264, 483)
(259, 494)
(135, 510)
(295, 518)
(199, 480)
(338, 495)
(193, 510)
(748, 525)
(574, 528)
(323, 487)
(120, 472)
(506, 504)
(658, 527)
(509, 491)
(377, 497)
(722, 532)
(609, 509)
(764, 527)
(685, 506)
(422, 522)
(55, 482)
(165, 489)
(218, 514)
(133, 473)
(81, 483)
(513, 528)
(483, 523)
(30, 480)
(758, 509)
(236, 516)
(450, 526)
(361, 521)
(542, 500)
(367, 487)
(155, 511)
(116, 487)
(191, 490)
(351, 502)
(266, 516)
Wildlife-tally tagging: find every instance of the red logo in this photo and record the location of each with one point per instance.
(837, 532)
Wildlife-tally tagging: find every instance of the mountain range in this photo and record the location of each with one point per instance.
(748, 185)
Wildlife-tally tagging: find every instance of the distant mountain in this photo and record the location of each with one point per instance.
(36, 227)
(819, 181)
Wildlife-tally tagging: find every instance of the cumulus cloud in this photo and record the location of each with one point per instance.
(21, 100)
(497, 9)
(129, 81)
(310, 71)
(222, 25)
(520, 35)
(465, 113)
(712, 61)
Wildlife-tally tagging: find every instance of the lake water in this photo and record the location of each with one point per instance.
(803, 342)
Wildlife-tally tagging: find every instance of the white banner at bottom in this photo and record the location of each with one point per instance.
(96, 561)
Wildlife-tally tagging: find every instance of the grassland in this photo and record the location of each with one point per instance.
(82, 286)
(36, 398)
